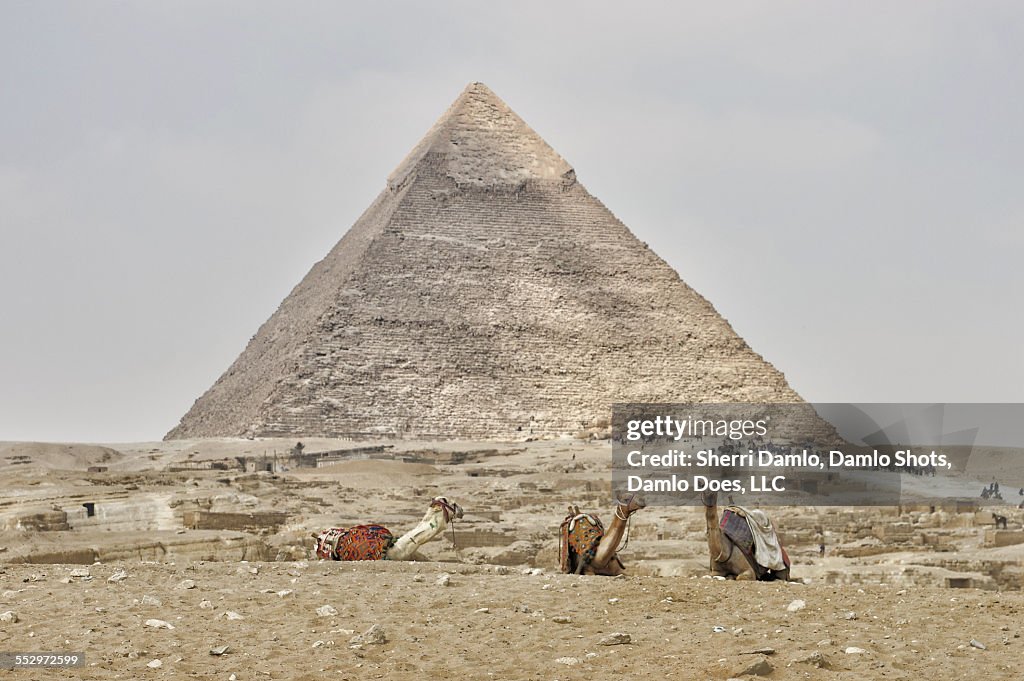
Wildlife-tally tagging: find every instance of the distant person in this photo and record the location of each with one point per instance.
(821, 549)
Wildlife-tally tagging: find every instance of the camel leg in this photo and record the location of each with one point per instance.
(718, 572)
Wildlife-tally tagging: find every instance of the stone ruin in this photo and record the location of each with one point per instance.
(484, 294)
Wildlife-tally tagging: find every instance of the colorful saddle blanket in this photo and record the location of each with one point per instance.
(579, 537)
(362, 542)
(734, 525)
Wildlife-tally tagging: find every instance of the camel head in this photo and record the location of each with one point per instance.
(629, 505)
(709, 499)
(447, 510)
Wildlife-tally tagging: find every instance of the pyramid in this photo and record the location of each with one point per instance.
(484, 294)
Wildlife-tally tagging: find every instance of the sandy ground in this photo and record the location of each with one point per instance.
(487, 625)
(515, 620)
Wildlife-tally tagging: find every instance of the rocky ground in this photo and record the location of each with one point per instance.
(303, 620)
(145, 595)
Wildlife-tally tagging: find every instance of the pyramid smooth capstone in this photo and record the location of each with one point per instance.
(484, 294)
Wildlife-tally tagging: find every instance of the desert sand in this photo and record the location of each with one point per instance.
(492, 606)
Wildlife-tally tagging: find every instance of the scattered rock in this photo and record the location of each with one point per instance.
(151, 600)
(850, 615)
(326, 611)
(119, 574)
(523, 607)
(418, 578)
(444, 580)
(482, 610)
(975, 643)
(206, 605)
(616, 639)
(10, 617)
(815, 659)
(718, 629)
(373, 635)
(570, 661)
(284, 592)
(232, 615)
(159, 624)
(796, 606)
(759, 651)
(219, 650)
(232, 677)
(561, 619)
(318, 644)
(186, 584)
(154, 664)
(854, 650)
(80, 573)
(761, 667)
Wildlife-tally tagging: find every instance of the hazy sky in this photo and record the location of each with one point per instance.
(842, 180)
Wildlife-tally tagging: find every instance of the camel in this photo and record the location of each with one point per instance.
(586, 548)
(375, 542)
(727, 559)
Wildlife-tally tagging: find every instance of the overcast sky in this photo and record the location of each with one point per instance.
(843, 181)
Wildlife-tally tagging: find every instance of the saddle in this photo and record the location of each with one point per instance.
(735, 526)
(361, 542)
(579, 535)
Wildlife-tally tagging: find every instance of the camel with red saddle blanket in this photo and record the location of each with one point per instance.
(743, 544)
(586, 548)
(375, 542)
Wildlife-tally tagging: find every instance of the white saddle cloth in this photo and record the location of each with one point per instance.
(767, 549)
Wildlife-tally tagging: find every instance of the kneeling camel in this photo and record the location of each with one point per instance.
(586, 548)
(375, 542)
(743, 562)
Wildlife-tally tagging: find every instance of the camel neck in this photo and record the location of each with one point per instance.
(430, 527)
(714, 532)
(610, 542)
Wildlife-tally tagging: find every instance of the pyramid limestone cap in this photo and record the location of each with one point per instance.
(480, 141)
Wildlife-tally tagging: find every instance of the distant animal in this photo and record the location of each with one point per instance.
(375, 542)
(1000, 520)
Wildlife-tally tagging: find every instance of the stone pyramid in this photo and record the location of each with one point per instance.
(485, 294)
